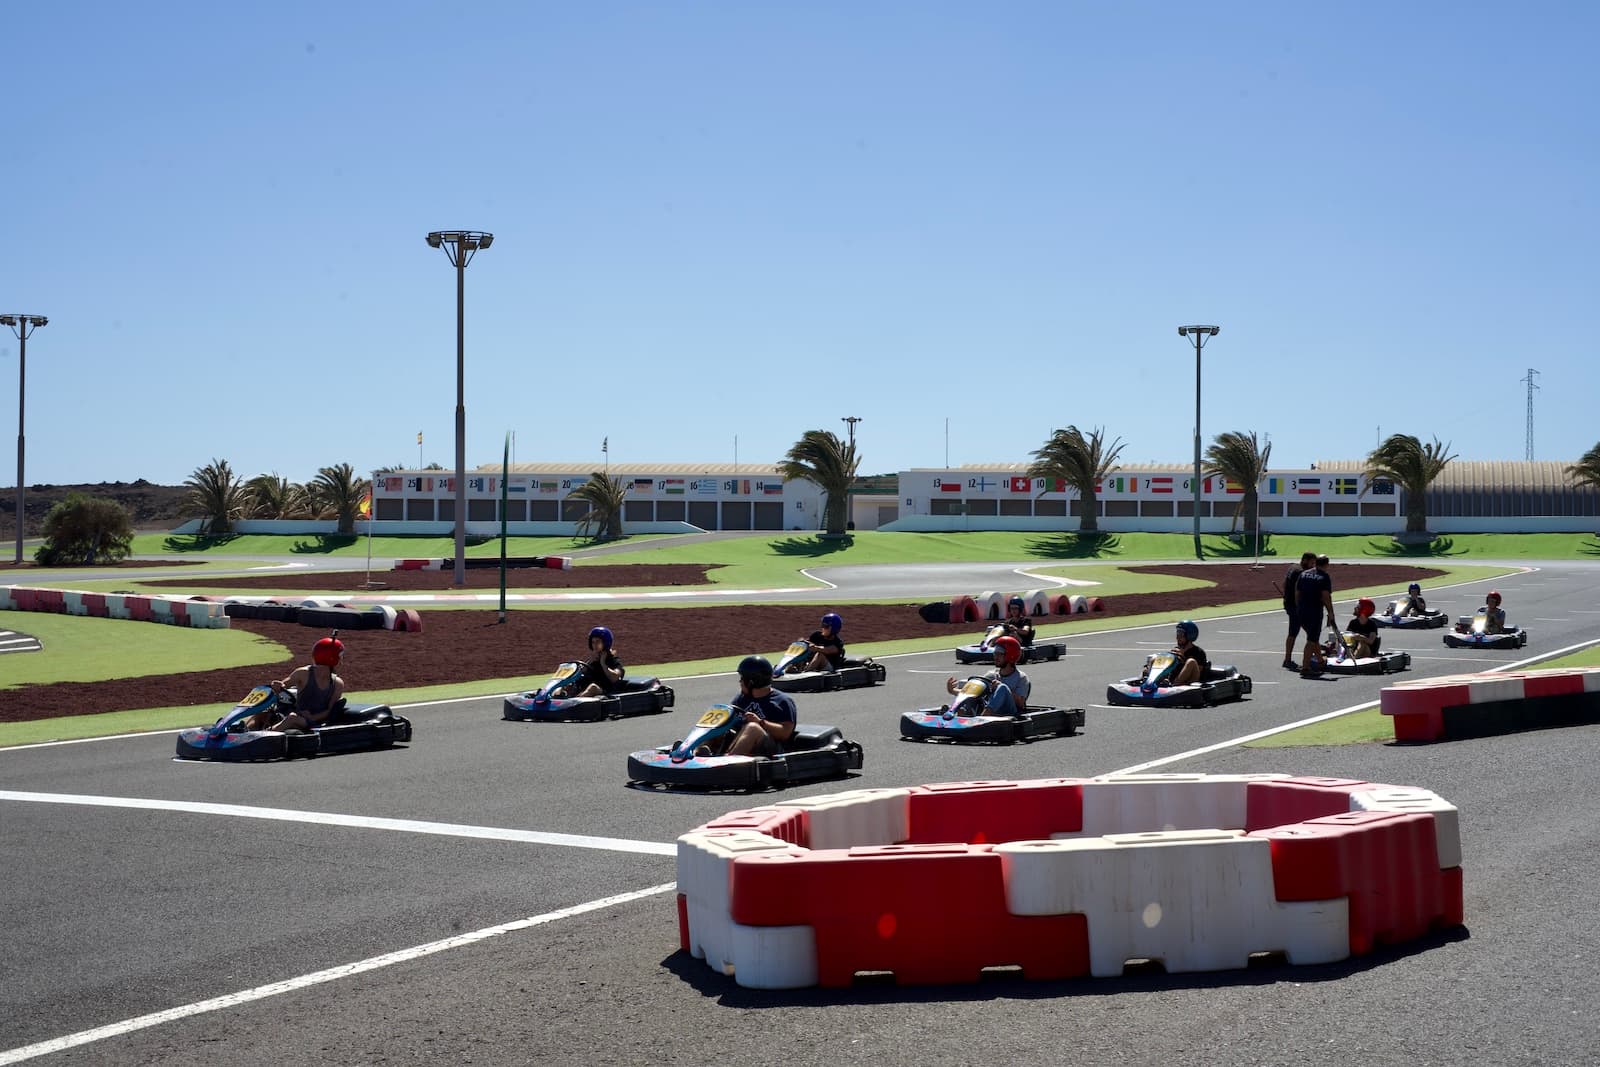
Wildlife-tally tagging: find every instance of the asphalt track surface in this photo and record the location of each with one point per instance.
(410, 937)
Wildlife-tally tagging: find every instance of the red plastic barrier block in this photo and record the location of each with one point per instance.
(25, 599)
(138, 608)
(963, 609)
(995, 812)
(683, 923)
(1294, 800)
(94, 604)
(410, 564)
(889, 908)
(1551, 684)
(786, 824)
(1385, 862)
(54, 600)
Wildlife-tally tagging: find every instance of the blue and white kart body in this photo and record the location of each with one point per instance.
(983, 651)
(351, 728)
(556, 701)
(1345, 661)
(1424, 620)
(1473, 632)
(812, 752)
(853, 675)
(1153, 689)
(967, 720)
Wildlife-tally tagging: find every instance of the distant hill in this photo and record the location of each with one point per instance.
(152, 507)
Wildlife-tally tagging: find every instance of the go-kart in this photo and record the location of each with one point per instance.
(1425, 620)
(966, 719)
(697, 761)
(351, 728)
(554, 702)
(1472, 632)
(983, 651)
(853, 675)
(1154, 688)
(1345, 661)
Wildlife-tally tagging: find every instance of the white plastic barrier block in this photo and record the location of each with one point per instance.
(73, 600)
(1037, 601)
(858, 817)
(1132, 803)
(704, 857)
(117, 607)
(1446, 817)
(1196, 900)
(991, 605)
(7, 601)
(774, 957)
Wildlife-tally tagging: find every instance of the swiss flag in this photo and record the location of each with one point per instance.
(1021, 485)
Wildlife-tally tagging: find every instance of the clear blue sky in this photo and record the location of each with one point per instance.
(721, 222)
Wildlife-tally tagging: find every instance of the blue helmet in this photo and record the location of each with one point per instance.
(1190, 630)
(1017, 602)
(832, 621)
(603, 634)
(1413, 588)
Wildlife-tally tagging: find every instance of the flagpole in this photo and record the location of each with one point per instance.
(371, 505)
(505, 473)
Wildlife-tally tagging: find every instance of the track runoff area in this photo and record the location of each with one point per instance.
(330, 975)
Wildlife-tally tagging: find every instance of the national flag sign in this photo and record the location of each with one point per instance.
(1021, 485)
(365, 507)
(1161, 485)
(1308, 486)
(1344, 486)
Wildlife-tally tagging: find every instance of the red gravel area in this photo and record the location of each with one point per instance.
(458, 646)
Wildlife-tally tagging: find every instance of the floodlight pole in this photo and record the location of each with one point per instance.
(459, 247)
(22, 326)
(1200, 335)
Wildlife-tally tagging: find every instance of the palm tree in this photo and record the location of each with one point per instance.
(215, 491)
(1239, 457)
(605, 496)
(1587, 470)
(830, 464)
(272, 496)
(1079, 461)
(1412, 465)
(337, 491)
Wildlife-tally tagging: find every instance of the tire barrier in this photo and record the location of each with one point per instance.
(991, 606)
(1066, 877)
(407, 620)
(1480, 705)
(560, 563)
(174, 611)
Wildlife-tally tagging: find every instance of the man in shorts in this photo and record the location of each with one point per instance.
(1291, 581)
(1313, 602)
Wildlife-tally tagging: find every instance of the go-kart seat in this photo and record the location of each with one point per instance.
(807, 737)
(1216, 672)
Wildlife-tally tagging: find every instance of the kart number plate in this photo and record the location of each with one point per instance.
(715, 716)
(566, 670)
(255, 696)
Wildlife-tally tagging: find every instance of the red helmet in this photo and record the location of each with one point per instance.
(1493, 595)
(1008, 649)
(1365, 606)
(326, 652)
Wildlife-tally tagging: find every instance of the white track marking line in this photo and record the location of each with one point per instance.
(332, 974)
(360, 822)
(1258, 735)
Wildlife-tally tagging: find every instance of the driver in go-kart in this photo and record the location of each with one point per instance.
(1363, 631)
(1413, 604)
(769, 715)
(1192, 661)
(318, 690)
(1494, 617)
(827, 650)
(605, 669)
(1008, 695)
(1017, 623)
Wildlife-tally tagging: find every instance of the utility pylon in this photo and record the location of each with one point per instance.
(1531, 388)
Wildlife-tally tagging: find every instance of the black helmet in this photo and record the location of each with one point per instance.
(756, 671)
(1190, 630)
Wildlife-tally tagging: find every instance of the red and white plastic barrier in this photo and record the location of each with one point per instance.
(175, 611)
(1066, 877)
(1431, 709)
(559, 563)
